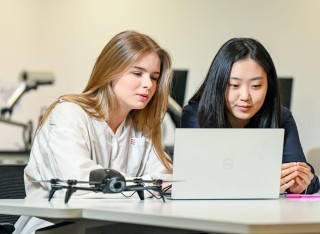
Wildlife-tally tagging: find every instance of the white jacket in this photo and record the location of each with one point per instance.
(71, 143)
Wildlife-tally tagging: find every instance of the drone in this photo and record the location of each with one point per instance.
(106, 181)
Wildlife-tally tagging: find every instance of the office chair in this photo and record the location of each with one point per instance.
(11, 187)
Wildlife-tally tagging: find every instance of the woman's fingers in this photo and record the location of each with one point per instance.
(285, 186)
(295, 176)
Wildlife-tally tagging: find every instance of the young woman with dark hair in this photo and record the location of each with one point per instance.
(241, 91)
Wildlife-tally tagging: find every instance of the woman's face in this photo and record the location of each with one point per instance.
(135, 87)
(246, 91)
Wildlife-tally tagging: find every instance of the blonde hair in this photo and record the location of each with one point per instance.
(98, 98)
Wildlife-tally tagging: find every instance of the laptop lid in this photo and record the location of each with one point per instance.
(229, 163)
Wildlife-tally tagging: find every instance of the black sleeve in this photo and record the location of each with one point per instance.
(292, 150)
(189, 117)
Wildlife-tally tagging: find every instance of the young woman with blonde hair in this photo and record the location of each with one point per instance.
(114, 123)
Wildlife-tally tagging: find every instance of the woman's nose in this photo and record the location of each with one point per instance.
(244, 94)
(147, 82)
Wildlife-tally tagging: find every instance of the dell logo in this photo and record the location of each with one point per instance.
(227, 163)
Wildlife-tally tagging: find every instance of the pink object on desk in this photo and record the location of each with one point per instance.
(302, 195)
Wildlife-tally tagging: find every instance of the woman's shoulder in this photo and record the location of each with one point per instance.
(285, 113)
(65, 111)
(69, 108)
(191, 106)
(189, 117)
(286, 116)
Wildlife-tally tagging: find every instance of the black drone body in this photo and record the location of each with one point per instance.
(106, 181)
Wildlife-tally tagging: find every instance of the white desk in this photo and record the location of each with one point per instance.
(227, 216)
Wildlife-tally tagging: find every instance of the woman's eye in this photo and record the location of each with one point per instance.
(137, 73)
(256, 86)
(155, 78)
(234, 85)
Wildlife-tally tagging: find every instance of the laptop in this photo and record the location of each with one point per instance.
(227, 163)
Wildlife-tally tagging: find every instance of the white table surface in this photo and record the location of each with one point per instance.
(230, 216)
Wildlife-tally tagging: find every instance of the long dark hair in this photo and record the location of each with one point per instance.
(211, 94)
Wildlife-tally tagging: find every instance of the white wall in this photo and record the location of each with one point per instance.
(66, 36)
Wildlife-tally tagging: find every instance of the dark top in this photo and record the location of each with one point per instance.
(292, 150)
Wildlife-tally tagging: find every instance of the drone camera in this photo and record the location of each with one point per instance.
(112, 180)
(114, 185)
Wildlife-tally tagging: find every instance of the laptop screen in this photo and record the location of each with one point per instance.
(227, 163)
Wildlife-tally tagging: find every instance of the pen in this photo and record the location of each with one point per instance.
(302, 195)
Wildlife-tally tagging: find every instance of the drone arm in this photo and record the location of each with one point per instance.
(72, 189)
(94, 189)
(134, 187)
(137, 188)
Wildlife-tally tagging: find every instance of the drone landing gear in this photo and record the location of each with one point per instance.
(141, 195)
(54, 188)
(159, 190)
(70, 189)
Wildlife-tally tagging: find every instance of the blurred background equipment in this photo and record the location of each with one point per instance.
(176, 103)
(29, 80)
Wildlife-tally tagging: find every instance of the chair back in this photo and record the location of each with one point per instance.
(11, 187)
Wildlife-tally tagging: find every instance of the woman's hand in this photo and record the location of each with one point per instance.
(295, 176)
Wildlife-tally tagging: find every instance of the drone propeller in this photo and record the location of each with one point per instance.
(155, 181)
(52, 181)
(140, 181)
(57, 181)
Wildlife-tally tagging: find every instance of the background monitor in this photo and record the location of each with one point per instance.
(285, 85)
(178, 91)
(179, 83)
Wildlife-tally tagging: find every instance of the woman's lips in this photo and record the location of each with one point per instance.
(244, 108)
(143, 97)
